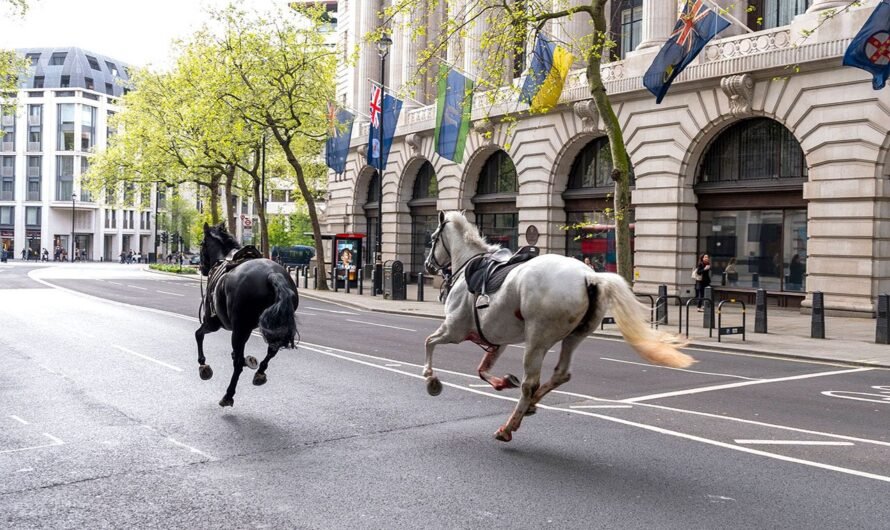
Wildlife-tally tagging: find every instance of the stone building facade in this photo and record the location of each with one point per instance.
(766, 153)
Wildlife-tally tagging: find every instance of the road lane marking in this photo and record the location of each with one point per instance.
(147, 358)
(137, 287)
(883, 395)
(628, 423)
(190, 448)
(53, 438)
(381, 325)
(743, 383)
(303, 313)
(16, 418)
(115, 283)
(600, 406)
(649, 365)
(394, 364)
(165, 292)
(479, 385)
(333, 311)
(791, 442)
(56, 443)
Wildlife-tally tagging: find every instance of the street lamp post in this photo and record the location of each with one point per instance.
(157, 200)
(383, 45)
(73, 198)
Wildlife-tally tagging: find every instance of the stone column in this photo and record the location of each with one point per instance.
(474, 61)
(574, 31)
(395, 60)
(411, 47)
(822, 5)
(659, 18)
(456, 13)
(368, 61)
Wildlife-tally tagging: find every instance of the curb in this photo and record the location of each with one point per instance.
(196, 277)
(720, 348)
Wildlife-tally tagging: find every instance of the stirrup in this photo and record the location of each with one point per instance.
(482, 301)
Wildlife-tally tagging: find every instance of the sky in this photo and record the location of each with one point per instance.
(136, 32)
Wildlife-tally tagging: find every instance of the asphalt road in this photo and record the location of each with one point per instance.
(106, 424)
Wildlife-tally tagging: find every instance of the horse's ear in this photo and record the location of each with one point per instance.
(222, 226)
(441, 217)
(206, 228)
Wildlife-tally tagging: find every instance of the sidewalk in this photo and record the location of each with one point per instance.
(848, 341)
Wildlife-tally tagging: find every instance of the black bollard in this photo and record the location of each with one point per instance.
(882, 334)
(817, 330)
(334, 277)
(661, 310)
(306, 277)
(361, 282)
(346, 281)
(420, 287)
(374, 281)
(708, 317)
(760, 312)
(723, 279)
(755, 281)
(315, 276)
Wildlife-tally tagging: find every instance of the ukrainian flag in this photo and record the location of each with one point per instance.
(546, 75)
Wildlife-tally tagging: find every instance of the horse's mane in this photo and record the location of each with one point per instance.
(469, 231)
(227, 241)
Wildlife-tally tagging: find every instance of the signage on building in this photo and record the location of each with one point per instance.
(32, 233)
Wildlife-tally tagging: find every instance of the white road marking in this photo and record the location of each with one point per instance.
(33, 447)
(190, 448)
(16, 418)
(333, 311)
(791, 442)
(116, 283)
(147, 358)
(137, 287)
(394, 364)
(744, 383)
(883, 397)
(600, 406)
(479, 385)
(165, 292)
(523, 347)
(307, 314)
(643, 426)
(649, 365)
(380, 325)
(54, 439)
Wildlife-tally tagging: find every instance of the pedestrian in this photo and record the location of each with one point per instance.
(795, 274)
(24, 254)
(123, 256)
(732, 275)
(702, 276)
(587, 262)
(45, 255)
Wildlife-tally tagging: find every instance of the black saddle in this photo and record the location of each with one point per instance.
(235, 258)
(485, 274)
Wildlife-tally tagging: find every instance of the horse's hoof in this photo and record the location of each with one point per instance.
(531, 410)
(503, 436)
(227, 402)
(512, 381)
(251, 362)
(205, 372)
(433, 386)
(259, 379)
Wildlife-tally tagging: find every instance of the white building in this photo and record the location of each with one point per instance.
(783, 174)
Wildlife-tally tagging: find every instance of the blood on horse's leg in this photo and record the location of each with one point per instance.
(561, 373)
(239, 339)
(259, 378)
(491, 356)
(534, 358)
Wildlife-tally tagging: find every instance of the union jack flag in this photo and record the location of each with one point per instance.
(376, 105)
(685, 27)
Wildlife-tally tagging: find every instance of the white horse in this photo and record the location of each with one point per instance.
(543, 301)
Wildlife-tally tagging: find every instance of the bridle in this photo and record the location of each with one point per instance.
(435, 261)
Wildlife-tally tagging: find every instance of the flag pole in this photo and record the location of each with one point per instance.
(395, 92)
(727, 16)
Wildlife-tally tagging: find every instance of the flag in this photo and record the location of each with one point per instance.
(453, 109)
(339, 135)
(547, 73)
(870, 48)
(696, 26)
(384, 111)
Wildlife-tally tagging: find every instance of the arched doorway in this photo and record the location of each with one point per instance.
(590, 225)
(424, 219)
(495, 201)
(752, 215)
(372, 211)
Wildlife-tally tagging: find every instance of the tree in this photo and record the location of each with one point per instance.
(12, 65)
(507, 27)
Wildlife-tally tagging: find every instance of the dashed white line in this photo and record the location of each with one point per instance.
(137, 287)
(303, 313)
(147, 358)
(115, 283)
(393, 364)
(600, 406)
(743, 383)
(332, 311)
(53, 438)
(165, 292)
(16, 418)
(380, 325)
(649, 365)
(190, 448)
(56, 443)
(791, 442)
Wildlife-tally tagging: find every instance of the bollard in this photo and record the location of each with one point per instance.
(374, 281)
(306, 277)
(817, 330)
(708, 318)
(420, 287)
(407, 279)
(661, 310)
(723, 279)
(334, 277)
(346, 281)
(755, 281)
(315, 276)
(361, 282)
(760, 312)
(882, 334)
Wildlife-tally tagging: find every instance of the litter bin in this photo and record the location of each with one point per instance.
(394, 281)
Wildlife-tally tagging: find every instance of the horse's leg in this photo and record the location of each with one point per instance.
(239, 339)
(534, 358)
(259, 378)
(498, 383)
(208, 326)
(561, 373)
(440, 336)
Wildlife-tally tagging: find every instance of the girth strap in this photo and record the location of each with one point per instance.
(479, 324)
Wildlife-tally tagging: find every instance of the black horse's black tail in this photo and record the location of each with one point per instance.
(277, 323)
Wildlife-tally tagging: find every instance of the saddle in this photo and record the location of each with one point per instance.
(485, 274)
(235, 257)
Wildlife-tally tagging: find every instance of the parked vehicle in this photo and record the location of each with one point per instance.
(295, 256)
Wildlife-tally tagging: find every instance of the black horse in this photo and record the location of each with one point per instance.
(244, 291)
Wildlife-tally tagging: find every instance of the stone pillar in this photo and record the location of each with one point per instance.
(822, 5)
(659, 18)
(456, 13)
(575, 30)
(395, 60)
(411, 47)
(368, 61)
(474, 59)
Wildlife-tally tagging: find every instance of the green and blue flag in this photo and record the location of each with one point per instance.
(870, 48)
(453, 110)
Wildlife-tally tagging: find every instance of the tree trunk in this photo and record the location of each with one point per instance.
(214, 198)
(310, 205)
(230, 210)
(620, 160)
(259, 205)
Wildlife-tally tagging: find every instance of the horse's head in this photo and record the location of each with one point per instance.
(215, 246)
(440, 255)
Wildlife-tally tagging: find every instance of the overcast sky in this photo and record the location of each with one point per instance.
(137, 32)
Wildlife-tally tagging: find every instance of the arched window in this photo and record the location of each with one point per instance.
(755, 149)
(592, 167)
(424, 219)
(372, 210)
(495, 200)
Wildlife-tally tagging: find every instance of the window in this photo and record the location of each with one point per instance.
(38, 81)
(109, 89)
(626, 26)
(129, 194)
(90, 85)
(8, 130)
(425, 185)
(32, 216)
(33, 58)
(498, 175)
(65, 81)
(64, 177)
(57, 59)
(34, 177)
(278, 196)
(424, 218)
(87, 128)
(496, 214)
(110, 219)
(766, 14)
(111, 68)
(66, 127)
(592, 167)
(94, 64)
(7, 215)
(7, 178)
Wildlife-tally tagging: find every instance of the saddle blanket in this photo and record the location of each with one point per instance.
(486, 275)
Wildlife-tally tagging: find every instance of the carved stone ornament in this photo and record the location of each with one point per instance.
(485, 128)
(590, 116)
(739, 89)
(362, 150)
(414, 141)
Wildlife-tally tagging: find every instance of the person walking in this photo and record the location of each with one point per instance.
(702, 275)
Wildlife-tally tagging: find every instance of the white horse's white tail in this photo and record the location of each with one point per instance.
(631, 316)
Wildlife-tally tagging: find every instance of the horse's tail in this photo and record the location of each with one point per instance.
(631, 316)
(277, 323)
